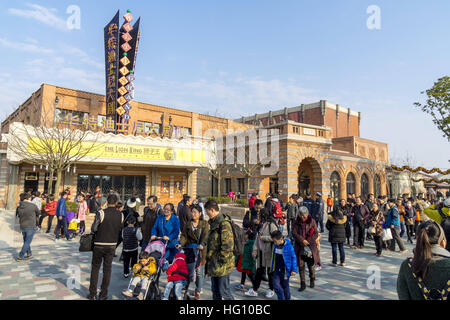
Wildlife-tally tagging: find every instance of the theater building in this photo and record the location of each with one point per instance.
(159, 152)
(163, 151)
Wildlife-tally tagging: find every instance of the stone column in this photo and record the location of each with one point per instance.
(12, 187)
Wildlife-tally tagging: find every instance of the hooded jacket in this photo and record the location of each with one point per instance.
(219, 245)
(289, 257)
(178, 264)
(336, 227)
(393, 217)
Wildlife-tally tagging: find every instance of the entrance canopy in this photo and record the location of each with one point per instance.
(117, 148)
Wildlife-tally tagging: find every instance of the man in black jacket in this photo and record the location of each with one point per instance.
(359, 213)
(151, 212)
(28, 214)
(107, 225)
(185, 215)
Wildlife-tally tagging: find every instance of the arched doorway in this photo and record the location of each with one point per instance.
(351, 183)
(364, 186)
(309, 177)
(376, 186)
(335, 186)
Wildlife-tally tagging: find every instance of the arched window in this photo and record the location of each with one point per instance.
(376, 186)
(364, 186)
(351, 183)
(335, 186)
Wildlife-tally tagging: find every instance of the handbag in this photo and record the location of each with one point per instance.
(87, 242)
(371, 230)
(387, 234)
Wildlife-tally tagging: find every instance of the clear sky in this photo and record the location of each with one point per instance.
(234, 58)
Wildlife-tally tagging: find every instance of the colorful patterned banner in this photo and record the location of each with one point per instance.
(111, 34)
(408, 168)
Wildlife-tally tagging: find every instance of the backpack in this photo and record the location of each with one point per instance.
(445, 224)
(430, 294)
(238, 237)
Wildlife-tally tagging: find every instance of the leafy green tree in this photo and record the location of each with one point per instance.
(438, 105)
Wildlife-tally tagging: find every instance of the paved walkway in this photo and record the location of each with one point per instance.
(49, 274)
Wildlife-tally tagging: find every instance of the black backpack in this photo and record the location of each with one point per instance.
(238, 237)
(445, 224)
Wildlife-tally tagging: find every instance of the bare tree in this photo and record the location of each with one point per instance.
(57, 146)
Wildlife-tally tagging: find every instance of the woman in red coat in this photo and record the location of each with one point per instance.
(251, 201)
(304, 231)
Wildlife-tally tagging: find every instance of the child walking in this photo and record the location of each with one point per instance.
(284, 265)
(245, 262)
(82, 211)
(142, 272)
(131, 237)
(50, 211)
(178, 274)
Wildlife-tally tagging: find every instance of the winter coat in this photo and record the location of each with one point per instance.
(437, 277)
(181, 204)
(148, 222)
(336, 227)
(248, 262)
(38, 202)
(82, 210)
(185, 215)
(189, 237)
(410, 215)
(292, 211)
(433, 213)
(369, 205)
(308, 203)
(28, 214)
(249, 220)
(264, 245)
(220, 244)
(361, 214)
(318, 209)
(289, 257)
(305, 231)
(393, 218)
(251, 201)
(61, 208)
(51, 207)
(376, 219)
(178, 264)
(170, 228)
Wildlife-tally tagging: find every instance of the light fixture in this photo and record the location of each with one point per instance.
(40, 167)
(34, 167)
(74, 169)
(68, 168)
(46, 167)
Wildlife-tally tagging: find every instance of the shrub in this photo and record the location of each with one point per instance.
(72, 206)
(220, 200)
(242, 203)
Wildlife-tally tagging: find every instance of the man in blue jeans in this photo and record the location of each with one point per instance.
(61, 213)
(28, 215)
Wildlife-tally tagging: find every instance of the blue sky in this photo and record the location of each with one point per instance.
(234, 58)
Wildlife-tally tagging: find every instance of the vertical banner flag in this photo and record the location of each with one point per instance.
(111, 33)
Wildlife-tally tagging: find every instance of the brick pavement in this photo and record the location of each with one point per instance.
(46, 275)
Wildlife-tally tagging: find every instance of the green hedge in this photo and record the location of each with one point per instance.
(242, 203)
(220, 200)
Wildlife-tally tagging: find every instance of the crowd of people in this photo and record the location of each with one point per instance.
(196, 248)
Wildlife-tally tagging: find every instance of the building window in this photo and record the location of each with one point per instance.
(273, 185)
(364, 186)
(241, 185)
(335, 187)
(377, 186)
(350, 182)
(227, 185)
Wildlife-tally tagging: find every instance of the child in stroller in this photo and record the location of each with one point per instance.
(142, 275)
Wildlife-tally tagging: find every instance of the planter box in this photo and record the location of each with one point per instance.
(233, 211)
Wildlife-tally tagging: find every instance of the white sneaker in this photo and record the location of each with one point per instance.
(270, 294)
(56, 239)
(317, 268)
(251, 293)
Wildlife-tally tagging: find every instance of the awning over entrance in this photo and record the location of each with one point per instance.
(127, 149)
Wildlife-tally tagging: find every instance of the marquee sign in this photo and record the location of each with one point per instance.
(120, 56)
